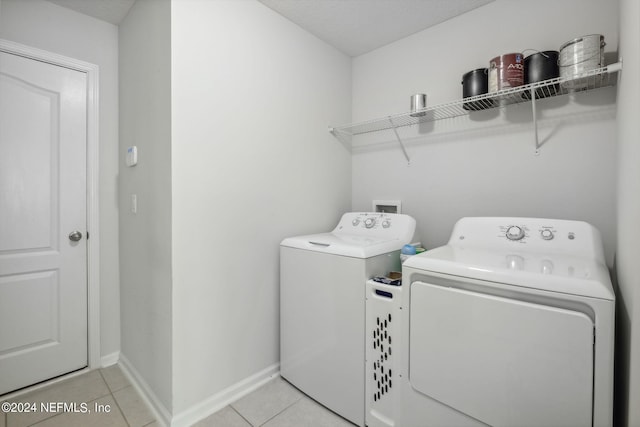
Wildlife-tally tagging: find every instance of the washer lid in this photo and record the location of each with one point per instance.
(356, 246)
(547, 271)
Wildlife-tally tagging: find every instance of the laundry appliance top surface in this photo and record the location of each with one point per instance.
(554, 255)
(359, 235)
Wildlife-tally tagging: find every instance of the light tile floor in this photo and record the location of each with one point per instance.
(276, 404)
(102, 397)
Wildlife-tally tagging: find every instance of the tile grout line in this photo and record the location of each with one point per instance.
(238, 412)
(114, 398)
(121, 411)
(297, 400)
(111, 392)
(124, 417)
(46, 419)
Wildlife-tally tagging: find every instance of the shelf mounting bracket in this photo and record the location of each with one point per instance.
(535, 121)
(404, 151)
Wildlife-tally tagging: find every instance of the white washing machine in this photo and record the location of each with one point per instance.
(510, 324)
(322, 305)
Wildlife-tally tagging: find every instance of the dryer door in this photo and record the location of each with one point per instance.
(502, 361)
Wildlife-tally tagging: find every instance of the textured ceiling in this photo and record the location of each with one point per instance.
(359, 26)
(352, 26)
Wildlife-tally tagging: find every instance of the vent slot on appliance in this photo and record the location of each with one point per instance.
(382, 372)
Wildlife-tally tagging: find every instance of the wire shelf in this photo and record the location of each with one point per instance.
(589, 80)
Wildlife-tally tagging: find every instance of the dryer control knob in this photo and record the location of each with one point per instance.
(369, 222)
(515, 233)
(355, 222)
(386, 223)
(546, 234)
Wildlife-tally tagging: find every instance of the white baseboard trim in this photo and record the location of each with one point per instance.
(109, 359)
(223, 398)
(160, 412)
(202, 409)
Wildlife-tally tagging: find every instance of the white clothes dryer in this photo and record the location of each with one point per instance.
(510, 324)
(322, 305)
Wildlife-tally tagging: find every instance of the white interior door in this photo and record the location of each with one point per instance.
(43, 271)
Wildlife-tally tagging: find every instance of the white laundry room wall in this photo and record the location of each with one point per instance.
(252, 163)
(46, 26)
(628, 250)
(145, 236)
(484, 164)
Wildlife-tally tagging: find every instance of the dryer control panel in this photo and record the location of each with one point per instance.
(517, 231)
(575, 237)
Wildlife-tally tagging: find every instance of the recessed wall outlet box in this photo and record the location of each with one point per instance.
(387, 206)
(132, 156)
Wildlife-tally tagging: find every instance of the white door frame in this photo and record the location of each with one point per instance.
(93, 230)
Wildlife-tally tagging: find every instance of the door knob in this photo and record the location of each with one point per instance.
(74, 236)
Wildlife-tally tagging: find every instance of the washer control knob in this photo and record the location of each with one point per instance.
(546, 234)
(515, 233)
(355, 222)
(386, 223)
(369, 222)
